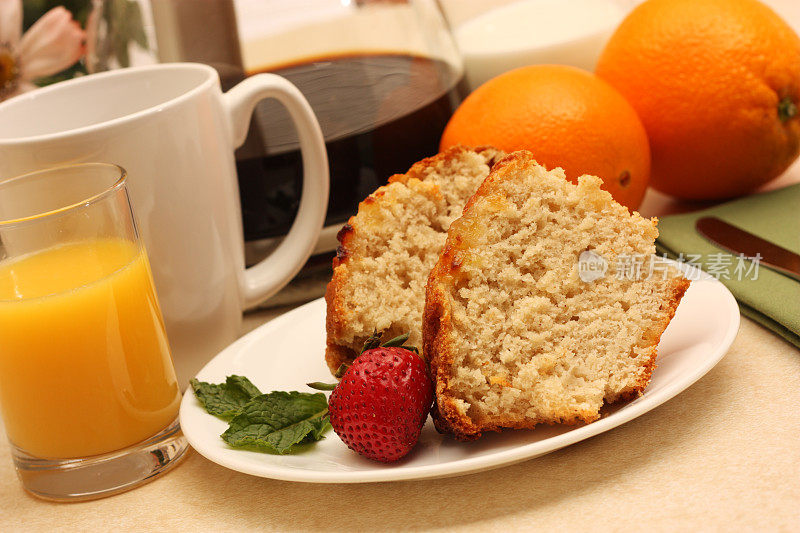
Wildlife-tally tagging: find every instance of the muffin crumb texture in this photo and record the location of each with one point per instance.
(514, 335)
(388, 249)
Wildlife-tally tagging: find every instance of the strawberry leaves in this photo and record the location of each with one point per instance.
(398, 342)
(319, 385)
(372, 342)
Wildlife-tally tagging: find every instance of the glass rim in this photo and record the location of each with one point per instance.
(102, 194)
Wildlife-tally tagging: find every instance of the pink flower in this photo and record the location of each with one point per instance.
(53, 43)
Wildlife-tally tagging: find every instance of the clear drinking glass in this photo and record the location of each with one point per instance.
(88, 393)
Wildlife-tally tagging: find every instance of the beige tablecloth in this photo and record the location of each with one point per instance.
(724, 455)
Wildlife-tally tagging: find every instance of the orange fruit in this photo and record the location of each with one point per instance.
(567, 118)
(717, 86)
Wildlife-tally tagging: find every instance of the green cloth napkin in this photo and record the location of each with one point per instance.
(772, 299)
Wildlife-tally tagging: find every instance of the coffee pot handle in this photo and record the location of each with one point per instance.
(267, 277)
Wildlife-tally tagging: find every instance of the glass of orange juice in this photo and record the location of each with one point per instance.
(88, 393)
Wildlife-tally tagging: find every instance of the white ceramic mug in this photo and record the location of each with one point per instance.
(174, 131)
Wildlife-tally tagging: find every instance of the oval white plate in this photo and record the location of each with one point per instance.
(287, 352)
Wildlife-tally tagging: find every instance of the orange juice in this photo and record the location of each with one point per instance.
(85, 367)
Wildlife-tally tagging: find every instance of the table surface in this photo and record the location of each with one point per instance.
(723, 455)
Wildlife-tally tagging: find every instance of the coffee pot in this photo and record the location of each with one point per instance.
(383, 78)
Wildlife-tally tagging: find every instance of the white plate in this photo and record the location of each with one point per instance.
(287, 352)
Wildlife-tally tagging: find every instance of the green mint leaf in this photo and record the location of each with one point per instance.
(225, 400)
(243, 384)
(278, 420)
(321, 425)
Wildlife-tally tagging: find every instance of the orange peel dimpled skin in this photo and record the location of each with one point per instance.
(717, 86)
(565, 117)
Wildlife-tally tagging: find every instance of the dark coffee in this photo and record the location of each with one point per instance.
(379, 114)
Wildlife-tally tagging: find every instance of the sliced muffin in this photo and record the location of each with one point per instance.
(546, 303)
(388, 248)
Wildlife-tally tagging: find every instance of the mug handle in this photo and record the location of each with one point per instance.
(268, 276)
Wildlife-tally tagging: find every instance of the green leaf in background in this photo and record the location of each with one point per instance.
(122, 24)
(278, 420)
(124, 20)
(225, 400)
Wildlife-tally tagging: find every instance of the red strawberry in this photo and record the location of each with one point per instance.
(380, 405)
